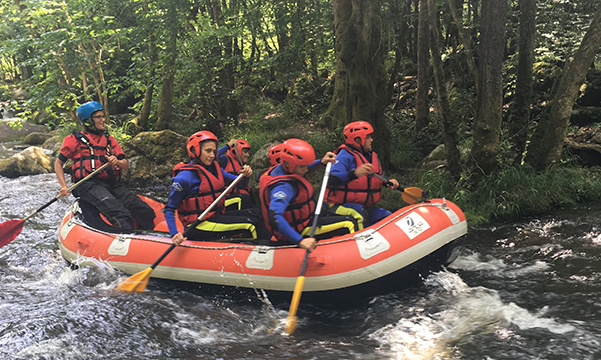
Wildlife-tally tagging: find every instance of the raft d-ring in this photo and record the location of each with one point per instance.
(444, 204)
(260, 258)
(371, 243)
(66, 228)
(119, 245)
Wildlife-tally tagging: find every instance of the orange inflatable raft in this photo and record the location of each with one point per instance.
(383, 257)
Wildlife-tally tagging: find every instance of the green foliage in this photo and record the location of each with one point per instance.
(515, 192)
(262, 71)
(66, 129)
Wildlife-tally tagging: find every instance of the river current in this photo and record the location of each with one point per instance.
(519, 290)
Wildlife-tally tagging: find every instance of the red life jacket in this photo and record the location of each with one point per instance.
(364, 190)
(232, 165)
(92, 155)
(301, 208)
(210, 188)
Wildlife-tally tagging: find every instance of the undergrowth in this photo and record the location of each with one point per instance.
(515, 192)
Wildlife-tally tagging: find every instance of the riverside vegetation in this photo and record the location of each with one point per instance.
(493, 81)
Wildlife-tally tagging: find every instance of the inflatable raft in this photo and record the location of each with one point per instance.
(384, 257)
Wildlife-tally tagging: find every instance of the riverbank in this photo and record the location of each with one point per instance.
(511, 193)
(515, 193)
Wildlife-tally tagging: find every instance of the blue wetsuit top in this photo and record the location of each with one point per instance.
(343, 170)
(279, 198)
(185, 183)
(221, 154)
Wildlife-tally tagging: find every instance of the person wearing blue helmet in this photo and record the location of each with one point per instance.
(89, 149)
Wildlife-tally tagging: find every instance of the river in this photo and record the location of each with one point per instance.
(519, 290)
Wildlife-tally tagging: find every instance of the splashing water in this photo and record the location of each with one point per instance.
(524, 290)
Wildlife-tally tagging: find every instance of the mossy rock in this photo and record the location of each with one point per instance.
(14, 131)
(36, 138)
(152, 156)
(31, 161)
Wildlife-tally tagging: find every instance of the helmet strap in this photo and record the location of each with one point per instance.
(358, 146)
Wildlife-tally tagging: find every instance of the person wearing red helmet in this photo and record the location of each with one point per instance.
(89, 149)
(274, 154)
(232, 157)
(352, 186)
(196, 185)
(287, 198)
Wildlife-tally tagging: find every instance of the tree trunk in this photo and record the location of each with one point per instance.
(548, 138)
(400, 50)
(404, 36)
(465, 41)
(102, 91)
(360, 80)
(228, 105)
(422, 106)
(142, 121)
(281, 23)
(165, 108)
(487, 127)
(449, 134)
(413, 51)
(520, 108)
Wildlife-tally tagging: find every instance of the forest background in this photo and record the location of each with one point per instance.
(495, 81)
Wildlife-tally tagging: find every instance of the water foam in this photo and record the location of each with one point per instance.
(466, 312)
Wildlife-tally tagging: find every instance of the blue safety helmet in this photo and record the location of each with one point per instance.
(85, 111)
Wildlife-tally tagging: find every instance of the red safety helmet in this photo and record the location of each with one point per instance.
(274, 153)
(195, 140)
(241, 145)
(357, 129)
(297, 152)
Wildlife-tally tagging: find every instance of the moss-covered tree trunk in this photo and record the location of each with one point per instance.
(422, 104)
(547, 141)
(449, 131)
(487, 127)
(165, 108)
(520, 108)
(360, 79)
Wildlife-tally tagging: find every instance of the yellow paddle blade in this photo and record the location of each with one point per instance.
(136, 282)
(292, 319)
(411, 195)
(291, 324)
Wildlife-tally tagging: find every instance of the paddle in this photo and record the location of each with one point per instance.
(10, 229)
(300, 281)
(410, 195)
(235, 151)
(138, 281)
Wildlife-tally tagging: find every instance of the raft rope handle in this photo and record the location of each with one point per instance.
(252, 247)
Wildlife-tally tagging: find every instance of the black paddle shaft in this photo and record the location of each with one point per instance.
(192, 226)
(70, 189)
